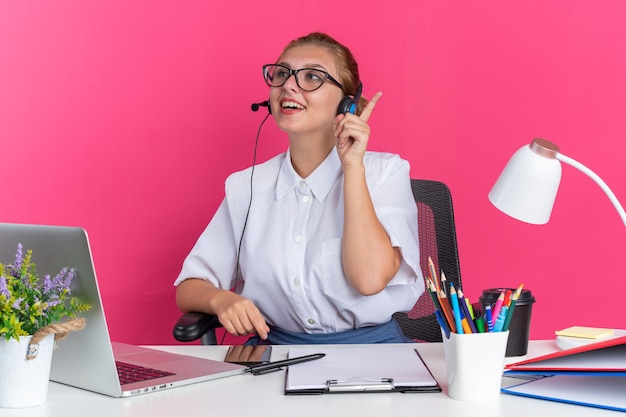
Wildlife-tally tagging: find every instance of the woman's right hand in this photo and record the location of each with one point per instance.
(238, 315)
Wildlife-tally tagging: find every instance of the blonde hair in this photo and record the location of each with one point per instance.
(346, 64)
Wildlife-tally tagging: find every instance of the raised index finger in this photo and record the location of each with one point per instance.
(367, 111)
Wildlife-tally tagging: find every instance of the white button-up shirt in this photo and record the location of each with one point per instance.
(290, 261)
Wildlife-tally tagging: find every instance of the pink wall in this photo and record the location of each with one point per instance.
(126, 117)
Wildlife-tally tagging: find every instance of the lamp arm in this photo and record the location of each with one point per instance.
(598, 181)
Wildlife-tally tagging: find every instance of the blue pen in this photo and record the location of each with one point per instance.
(489, 318)
(456, 310)
(442, 323)
(497, 327)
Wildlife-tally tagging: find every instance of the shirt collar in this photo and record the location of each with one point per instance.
(320, 181)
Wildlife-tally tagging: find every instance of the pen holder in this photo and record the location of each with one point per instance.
(475, 363)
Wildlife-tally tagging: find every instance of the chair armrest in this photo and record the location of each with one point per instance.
(193, 326)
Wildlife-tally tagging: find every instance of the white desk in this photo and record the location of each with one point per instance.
(248, 395)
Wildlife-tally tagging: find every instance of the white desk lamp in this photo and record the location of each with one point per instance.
(527, 187)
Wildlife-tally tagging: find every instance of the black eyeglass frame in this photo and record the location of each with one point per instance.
(293, 72)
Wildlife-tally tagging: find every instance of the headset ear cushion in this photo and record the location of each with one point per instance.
(347, 105)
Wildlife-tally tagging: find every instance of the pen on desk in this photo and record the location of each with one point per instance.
(275, 366)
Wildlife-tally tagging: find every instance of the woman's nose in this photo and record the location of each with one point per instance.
(291, 83)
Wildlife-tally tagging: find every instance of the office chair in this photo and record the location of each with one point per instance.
(437, 239)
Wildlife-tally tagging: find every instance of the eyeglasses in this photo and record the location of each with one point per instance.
(308, 79)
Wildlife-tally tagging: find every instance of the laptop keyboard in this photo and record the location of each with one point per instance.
(129, 373)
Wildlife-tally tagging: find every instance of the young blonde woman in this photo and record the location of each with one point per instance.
(327, 250)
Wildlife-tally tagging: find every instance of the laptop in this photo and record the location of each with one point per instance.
(87, 358)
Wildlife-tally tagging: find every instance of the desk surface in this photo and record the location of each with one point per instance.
(246, 395)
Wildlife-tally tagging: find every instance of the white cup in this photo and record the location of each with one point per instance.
(475, 363)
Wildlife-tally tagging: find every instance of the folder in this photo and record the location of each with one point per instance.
(590, 389)
(592, 375)
(360, 369)
(604, 355)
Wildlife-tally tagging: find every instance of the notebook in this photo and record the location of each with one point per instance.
(88, 359)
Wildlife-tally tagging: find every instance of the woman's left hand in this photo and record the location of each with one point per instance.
(352, 133)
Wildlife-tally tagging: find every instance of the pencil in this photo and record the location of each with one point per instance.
(498, 306)
(433, 273)
(456, 310)
(507, 297)
(499, 324)
(442, 322)
(438, 305)
(470, 307)
(433, 295)
(447, 310)
(444, 284)
(466, 312)
(509, 314)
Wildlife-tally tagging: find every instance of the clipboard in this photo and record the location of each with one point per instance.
(360, 369)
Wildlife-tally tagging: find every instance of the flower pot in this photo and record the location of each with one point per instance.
(24, 382)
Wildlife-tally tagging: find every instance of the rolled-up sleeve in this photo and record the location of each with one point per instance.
(390, 187)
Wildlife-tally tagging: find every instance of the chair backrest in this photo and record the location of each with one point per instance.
(437, 240)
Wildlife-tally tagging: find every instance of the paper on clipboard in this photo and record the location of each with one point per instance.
(360, 369)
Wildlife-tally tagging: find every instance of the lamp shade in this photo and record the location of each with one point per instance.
(527, 187)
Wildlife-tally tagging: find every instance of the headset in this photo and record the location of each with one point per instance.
(349, 104)
(346, 105)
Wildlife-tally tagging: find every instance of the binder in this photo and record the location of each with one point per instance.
(591, 389)
(360, 369)
(592, 375)
(604, 355)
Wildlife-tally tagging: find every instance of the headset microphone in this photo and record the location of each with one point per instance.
(266, 103)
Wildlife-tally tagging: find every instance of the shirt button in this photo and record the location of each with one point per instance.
(296, 282)
(305, 199)
(302, 184)
(311, 321)
(298, 239)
